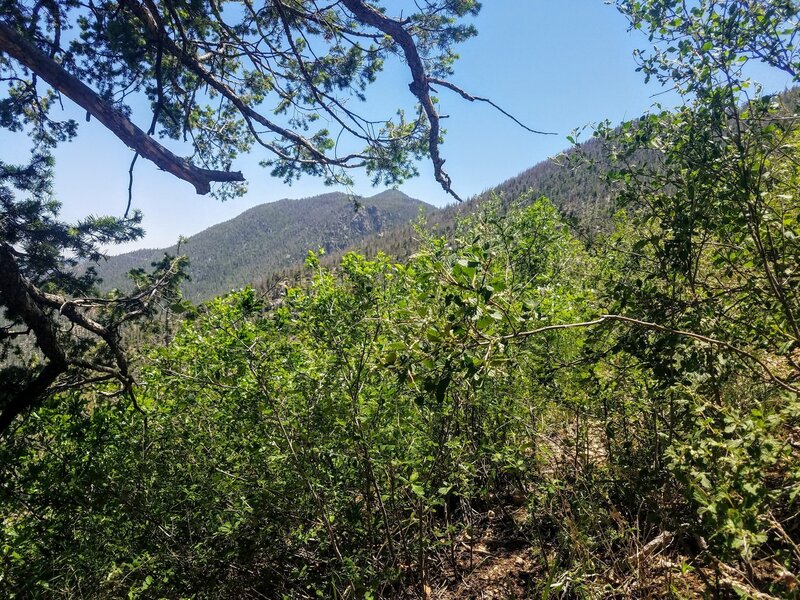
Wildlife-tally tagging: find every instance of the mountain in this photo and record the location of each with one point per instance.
(271, 237)
(576, 187)
(268, 243)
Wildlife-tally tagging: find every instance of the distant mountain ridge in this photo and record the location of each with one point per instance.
(271, 237)
(576, 188)
(269, 242)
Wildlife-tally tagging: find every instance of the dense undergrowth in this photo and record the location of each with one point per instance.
(350, 437)
(611, 415)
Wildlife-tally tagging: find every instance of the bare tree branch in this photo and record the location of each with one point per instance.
(656, 327)
(419, 85)
(471, 98)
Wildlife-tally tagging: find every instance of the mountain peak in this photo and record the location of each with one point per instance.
(391, 193)
(271, 237)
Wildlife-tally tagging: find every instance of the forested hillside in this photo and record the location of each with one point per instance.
(270, 237)
(270, 241)
(573, 181)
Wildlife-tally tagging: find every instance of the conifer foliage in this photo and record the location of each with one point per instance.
(233, 76)
(56, 334)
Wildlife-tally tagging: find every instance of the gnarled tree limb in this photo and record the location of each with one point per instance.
(40, 312)
(14, 291)
(28, 55)
(419, 85)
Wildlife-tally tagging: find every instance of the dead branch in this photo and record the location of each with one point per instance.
(469, 97)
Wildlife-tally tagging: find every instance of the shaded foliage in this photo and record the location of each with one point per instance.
(56, 333)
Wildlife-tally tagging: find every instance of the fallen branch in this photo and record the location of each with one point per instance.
(736, 580)
(653, 547)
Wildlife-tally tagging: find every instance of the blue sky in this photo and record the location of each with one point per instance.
(556, 65)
